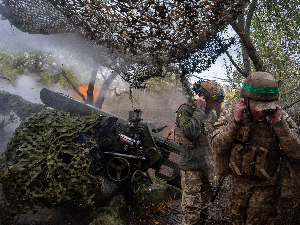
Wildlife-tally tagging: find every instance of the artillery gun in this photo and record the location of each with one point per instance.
(127, 148)
(80, 150)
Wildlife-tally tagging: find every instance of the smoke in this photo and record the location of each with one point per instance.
(7, 127)
(26, 86)
(72, 50)
(157, 108)
(69, 50)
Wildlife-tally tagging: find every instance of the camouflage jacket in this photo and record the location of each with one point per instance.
(251, 149)
(193, 130)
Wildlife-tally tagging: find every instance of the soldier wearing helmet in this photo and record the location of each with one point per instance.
(194, 124)
(247, 142)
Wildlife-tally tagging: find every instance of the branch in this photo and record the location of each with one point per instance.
(115, 89)
(249, 17)
(236, 65)
(246, 29)
(231, 59)
(62, 72)
(125, 92)
(259, 66)
(104, 88)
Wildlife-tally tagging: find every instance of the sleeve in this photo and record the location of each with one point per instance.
(224, 132)
(189, 122)
(288, 134)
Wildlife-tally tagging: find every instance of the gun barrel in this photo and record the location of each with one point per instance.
(63, 102)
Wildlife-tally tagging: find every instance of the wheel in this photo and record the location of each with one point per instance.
(136, 181)
(118, 169)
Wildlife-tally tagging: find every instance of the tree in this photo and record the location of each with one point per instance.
(268, 32)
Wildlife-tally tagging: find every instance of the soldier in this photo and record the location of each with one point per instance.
(247, 142)
(193, 130)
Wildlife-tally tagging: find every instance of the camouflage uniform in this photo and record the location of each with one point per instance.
(250, 151)
(194, 126)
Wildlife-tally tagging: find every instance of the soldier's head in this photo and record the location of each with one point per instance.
(261, 90)
(211, 90)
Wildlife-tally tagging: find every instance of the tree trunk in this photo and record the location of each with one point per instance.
(104, 88)
(246, 60)
(258, 63)
(246, 28)
(90, 91)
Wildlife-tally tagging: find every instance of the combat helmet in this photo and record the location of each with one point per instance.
(210, 89)
(262, 89)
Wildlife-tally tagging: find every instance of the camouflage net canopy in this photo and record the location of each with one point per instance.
(156, 31)
(46, 165)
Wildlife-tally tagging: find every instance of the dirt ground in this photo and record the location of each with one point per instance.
(160, 206)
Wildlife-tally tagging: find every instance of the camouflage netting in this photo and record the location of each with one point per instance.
(45, 165)
(141, 30)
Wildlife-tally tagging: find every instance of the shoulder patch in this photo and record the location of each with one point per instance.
(179, 115)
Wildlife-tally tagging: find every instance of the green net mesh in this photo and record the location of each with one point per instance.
(45, 165)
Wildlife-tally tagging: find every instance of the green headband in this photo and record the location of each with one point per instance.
(260, 90)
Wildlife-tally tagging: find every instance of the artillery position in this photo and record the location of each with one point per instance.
(66, 150)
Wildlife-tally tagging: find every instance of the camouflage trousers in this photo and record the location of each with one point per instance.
(195, 197)
(256, 205)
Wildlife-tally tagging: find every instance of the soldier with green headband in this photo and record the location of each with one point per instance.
(248, 142)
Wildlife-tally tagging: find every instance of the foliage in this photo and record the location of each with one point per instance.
(294, 113)
(275, 33)
(38, 64)
(235, 80)
(232, 93)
